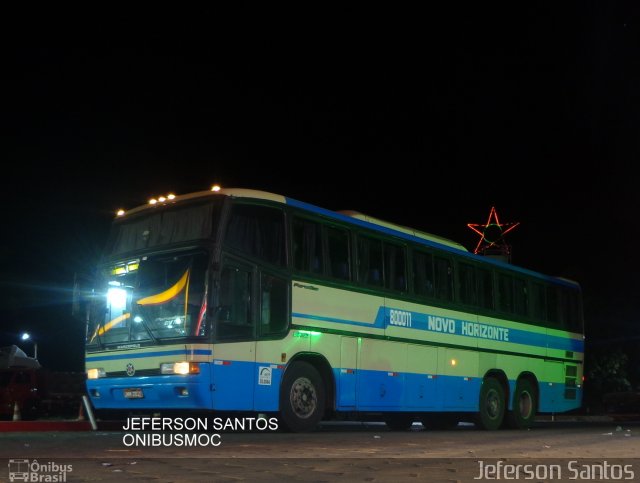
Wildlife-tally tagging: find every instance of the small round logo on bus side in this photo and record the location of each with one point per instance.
(130, 369)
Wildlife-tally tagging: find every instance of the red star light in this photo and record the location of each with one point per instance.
(492, 232)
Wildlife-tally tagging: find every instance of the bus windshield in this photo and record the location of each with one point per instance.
(149, 299)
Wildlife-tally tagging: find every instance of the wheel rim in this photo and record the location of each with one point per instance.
(525, 404)
(303, 398)
(492, 404)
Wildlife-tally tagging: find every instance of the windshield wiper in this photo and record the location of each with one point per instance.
(96, 336)
(144, 324)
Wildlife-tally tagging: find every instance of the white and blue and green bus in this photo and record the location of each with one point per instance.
(245, 301)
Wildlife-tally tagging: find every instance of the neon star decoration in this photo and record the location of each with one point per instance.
(492, 233)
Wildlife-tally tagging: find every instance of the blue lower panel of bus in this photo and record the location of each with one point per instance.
(364, 390)
(153, 392)
(231, 385)
(249, 386)
(246, 386)
(553, 398)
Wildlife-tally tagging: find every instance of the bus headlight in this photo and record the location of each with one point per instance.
(180, 368)
(96, 373)
(117, 299)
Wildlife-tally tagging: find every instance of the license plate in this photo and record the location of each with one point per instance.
(133, 393)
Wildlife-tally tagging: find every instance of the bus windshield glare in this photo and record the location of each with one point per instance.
(148, 299)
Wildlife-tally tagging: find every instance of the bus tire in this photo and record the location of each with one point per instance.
(524, 406)
(492, 404)
(399, 422)
(302, 398)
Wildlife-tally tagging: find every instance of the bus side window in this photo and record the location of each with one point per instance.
(538, 304)
(505, 293)
(394, 267)
(233, 314)
(369, 261)
(423, 274)
(444, 278)
(553, 307)
(467, 284)
(307, 246)
(338, 253)
(257, 231)
(485, 288)
(274, 313)
(520, 297)
(563, 308)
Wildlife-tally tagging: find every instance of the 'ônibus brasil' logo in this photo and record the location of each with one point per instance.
(130, 369)
(31, 470)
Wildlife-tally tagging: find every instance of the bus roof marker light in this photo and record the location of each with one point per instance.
(216, 188)
(153, 201)
(120, 212)
(162, 199)
(171, 196)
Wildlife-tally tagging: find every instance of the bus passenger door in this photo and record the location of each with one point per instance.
(273, 326)
(347, 377)
(235, 338)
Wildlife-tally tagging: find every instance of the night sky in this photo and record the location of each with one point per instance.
(535, 112)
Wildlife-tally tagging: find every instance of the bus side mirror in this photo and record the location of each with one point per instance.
(79, 299)
(75, 298)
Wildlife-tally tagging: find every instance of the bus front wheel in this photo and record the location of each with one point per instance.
(492, 404)
(302, 397)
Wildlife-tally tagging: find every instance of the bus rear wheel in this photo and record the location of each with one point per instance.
(302, 398)
(524, 406)
(492, 404)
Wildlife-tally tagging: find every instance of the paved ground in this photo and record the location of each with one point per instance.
(337, 452)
